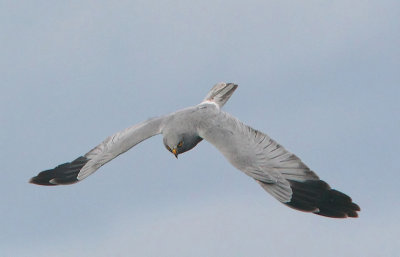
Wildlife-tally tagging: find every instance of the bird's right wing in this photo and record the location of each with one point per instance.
(111, 147)
(277, 170)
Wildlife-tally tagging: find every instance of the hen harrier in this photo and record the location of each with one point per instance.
(279, 172)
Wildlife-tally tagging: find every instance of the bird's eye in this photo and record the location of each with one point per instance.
(180, 144)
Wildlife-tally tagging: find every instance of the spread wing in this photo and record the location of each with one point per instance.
(278, 171)
(111, 147)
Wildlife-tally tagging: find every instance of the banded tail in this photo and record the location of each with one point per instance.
(220, 93)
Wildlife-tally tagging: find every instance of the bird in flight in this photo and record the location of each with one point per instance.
(278, 171)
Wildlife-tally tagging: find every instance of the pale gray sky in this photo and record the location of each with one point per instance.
(322, 78)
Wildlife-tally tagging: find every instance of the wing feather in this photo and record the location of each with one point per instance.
(111, 147)
(278, 171)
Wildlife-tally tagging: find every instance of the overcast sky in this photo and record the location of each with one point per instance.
(320, 77)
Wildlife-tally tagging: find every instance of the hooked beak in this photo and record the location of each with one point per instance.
(175, 153)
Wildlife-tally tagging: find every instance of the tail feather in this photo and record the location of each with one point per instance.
(220, 93)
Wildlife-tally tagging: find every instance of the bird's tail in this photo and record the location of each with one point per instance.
(220, 93)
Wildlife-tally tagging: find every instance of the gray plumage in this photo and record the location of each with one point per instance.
(279, 172)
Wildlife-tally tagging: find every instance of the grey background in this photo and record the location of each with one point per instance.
(322, 78)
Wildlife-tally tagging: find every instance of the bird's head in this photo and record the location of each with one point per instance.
(180, 143)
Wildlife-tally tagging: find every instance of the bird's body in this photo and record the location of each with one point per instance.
(278, 171)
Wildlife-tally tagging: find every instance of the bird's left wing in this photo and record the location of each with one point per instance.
(111, 147)
(277, 170)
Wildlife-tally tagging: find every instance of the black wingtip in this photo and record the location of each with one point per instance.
(40, 181)
(63, 174)
(317, 196)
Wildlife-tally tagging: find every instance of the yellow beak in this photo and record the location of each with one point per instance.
(175, 152)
